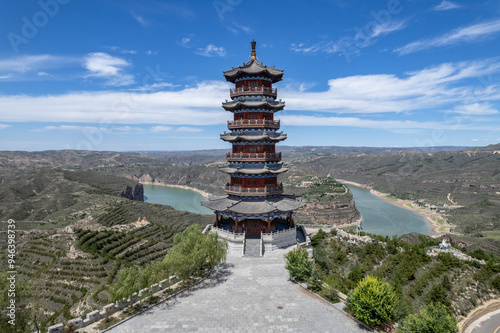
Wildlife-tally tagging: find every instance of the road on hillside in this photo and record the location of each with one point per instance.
(487, 324)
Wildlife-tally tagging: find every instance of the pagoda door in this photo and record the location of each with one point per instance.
(253, 227)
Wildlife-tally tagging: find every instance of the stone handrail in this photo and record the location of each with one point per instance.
(253, 122)
(226, 234)
(253, 90)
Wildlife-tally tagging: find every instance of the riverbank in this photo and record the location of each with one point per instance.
(438, 222)
(184, 187)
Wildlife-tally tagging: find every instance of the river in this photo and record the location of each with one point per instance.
(177, 198)
(383, 218)
(379, 216)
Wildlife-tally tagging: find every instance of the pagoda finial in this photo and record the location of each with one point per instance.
(253, 55)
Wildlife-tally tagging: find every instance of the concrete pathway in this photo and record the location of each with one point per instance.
(244, 295)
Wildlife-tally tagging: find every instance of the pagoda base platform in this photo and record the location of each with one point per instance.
(283, 237)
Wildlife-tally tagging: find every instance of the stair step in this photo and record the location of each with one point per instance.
(252, 247)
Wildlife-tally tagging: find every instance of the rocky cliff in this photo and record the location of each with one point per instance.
(136, 194)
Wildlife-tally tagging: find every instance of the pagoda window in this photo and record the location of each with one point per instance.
(253, 149)
(236, 181)
(252, 83)
(269, 149)
(271, 181)
(237, 149)
(253, 182)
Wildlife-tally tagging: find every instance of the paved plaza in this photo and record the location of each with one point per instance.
(244, 295)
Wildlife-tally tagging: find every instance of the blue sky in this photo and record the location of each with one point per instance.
(147, 75)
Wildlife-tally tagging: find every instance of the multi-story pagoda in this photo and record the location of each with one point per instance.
(254, 202)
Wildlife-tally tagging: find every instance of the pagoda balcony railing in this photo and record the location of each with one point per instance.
(271, 157)
(253, 91)
(246, 123)
(253, 191)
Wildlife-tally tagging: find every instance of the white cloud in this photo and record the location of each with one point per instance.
(433, 87)
(211, 51)
(302, 120)
(476, 109)
(128, 129)
(151, 52)
(37, 63)
(446, 5)
(349, 45)
(67, 128)
(4, 126)
(161, 129)
(155, 86)
(186, 41)
(103, 65)
(471, 33)
(139, 18)
(386, 28)
(442, 87)
(193, 105)
(188, 129)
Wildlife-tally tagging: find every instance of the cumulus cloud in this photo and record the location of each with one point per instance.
(103, 65)
(4, 126)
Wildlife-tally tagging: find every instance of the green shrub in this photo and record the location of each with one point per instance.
(298, 264)
(373, 302)
(495, 283)
(433, 318)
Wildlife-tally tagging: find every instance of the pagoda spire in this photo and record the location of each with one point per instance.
(253, 55)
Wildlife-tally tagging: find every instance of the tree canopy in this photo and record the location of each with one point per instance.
(373, 302)
(433, 318)
(299, 265)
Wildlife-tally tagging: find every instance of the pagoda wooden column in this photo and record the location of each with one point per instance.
(268, 225)
(290, 220)
(236, 227)
(217, 219)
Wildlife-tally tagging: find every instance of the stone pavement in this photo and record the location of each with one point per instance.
(244, 295)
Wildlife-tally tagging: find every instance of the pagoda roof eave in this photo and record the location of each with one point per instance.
(231, 137)
(253, 171)
(253, 67)
(282, 203)
(278, 105)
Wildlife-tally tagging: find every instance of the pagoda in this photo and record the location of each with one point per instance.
(254, 203)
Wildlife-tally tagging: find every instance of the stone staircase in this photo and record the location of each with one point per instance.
(252, 247)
